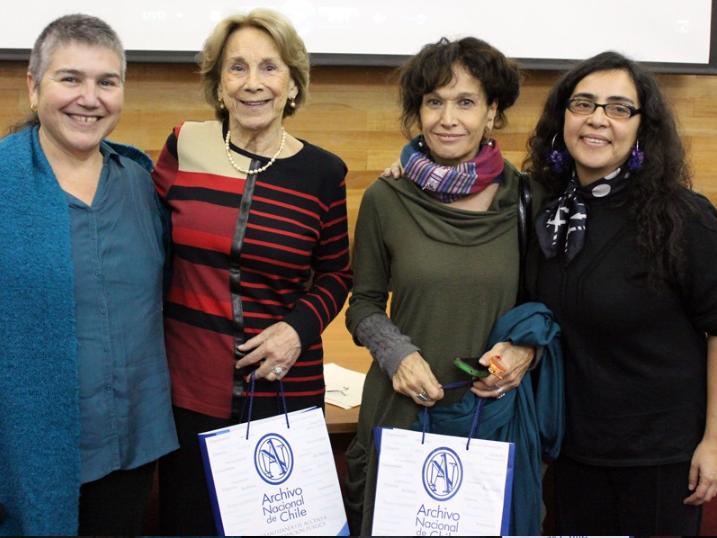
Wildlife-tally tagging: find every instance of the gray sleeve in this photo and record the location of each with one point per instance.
(388, 346)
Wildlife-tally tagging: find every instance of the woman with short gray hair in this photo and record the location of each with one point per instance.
(84, 396)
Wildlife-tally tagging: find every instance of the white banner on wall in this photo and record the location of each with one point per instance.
(665, 31)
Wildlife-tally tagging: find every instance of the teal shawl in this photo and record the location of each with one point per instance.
(39, 393)
(531, 416)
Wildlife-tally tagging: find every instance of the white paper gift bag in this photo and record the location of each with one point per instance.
(277, 479)
(440, 485)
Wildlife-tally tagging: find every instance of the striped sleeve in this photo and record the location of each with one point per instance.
(165, 170)
(332, 276)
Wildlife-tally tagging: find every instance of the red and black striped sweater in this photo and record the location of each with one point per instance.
(294, 262)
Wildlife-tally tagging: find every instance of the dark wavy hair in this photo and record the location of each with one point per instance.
(656, 194)
(432, 68)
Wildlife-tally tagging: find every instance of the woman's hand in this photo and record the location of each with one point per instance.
(508, 364)
(278, 346)
(415, 379)
(394, 170)
(702, 480)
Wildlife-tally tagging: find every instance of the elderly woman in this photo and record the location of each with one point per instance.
(84, 396)
(633, 284)
(443, 239)
(260, 250)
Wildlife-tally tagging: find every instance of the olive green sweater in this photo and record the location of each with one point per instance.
(451, 273)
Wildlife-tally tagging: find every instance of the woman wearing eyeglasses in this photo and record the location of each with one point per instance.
(627, 267)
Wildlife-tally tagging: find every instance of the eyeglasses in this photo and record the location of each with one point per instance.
(616, 111)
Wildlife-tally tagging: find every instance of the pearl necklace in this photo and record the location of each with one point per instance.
(227, 141)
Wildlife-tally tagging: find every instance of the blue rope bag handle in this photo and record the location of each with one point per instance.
(475, 422)
(252, 384)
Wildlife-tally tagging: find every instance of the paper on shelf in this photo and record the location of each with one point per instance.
(343, 386)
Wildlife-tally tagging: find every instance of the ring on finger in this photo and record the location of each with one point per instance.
(278, 371)
(422, 396)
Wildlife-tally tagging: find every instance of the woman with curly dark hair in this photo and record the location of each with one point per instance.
(627, 268)
(443, 239)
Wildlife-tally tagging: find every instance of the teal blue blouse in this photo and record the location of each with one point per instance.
(117, 251)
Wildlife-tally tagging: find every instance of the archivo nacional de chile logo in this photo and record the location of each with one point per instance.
(273, 458)
(442, 474)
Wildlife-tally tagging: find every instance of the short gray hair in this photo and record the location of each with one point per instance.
(76, 28)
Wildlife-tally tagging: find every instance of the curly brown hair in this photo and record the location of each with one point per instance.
(656, 194)
(432, 68)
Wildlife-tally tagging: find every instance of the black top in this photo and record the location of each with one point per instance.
(635, 361)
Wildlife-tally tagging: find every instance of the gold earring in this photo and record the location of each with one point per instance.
(33, 107)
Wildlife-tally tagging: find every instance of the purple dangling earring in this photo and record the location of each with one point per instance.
(637, 157)
(558, 158)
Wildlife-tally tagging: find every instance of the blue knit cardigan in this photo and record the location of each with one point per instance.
(39, 393)
(531, 416)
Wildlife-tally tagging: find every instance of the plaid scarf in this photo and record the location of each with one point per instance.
(450, 183)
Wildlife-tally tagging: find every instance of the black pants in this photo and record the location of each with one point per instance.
(116, 503)
(184, 506)
(595, 500)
